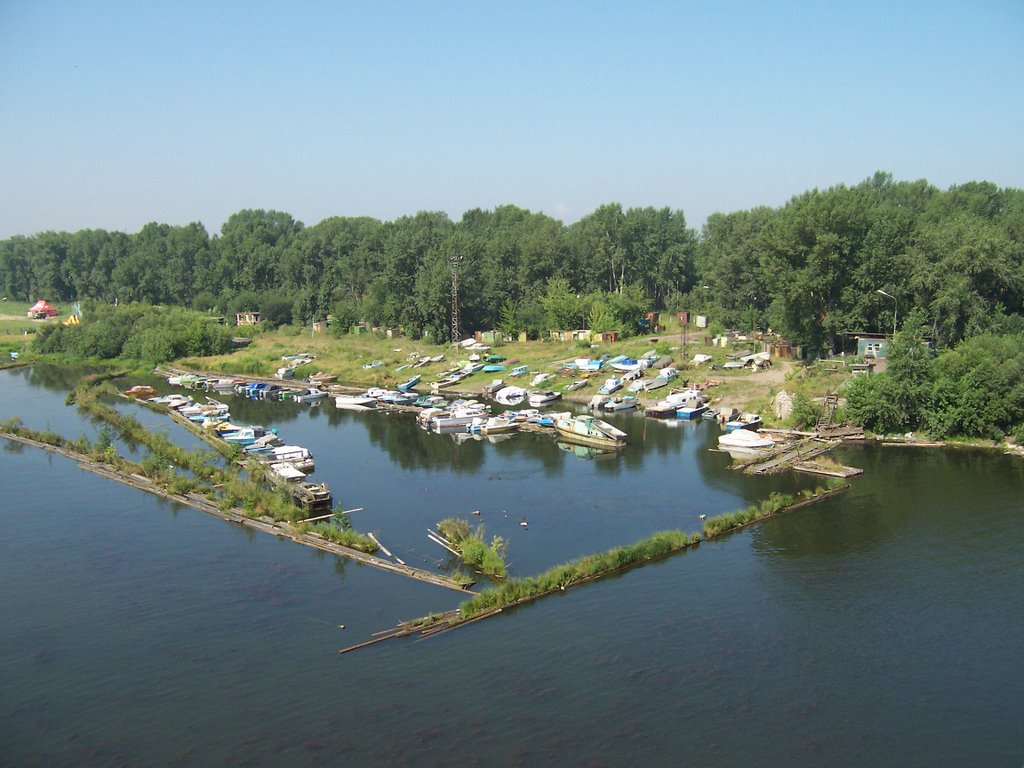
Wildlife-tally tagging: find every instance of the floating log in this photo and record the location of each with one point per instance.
(438, 539)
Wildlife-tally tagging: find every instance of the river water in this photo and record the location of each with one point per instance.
(884, 626)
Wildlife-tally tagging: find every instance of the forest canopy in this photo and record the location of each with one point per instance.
(811, 270)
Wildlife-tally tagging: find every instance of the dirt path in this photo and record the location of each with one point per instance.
(739, 391)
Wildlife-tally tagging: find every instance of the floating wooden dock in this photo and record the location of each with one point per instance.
(831, 470)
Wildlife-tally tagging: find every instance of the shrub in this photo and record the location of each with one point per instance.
(806, 411)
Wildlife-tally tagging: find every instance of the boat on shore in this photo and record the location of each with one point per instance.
(541, 379)
(408, 384)
(510, 395)
(494, 387)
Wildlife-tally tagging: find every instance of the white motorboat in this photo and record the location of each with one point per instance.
(510, 395)
(538, 399)
(744, 441)
(355, 402)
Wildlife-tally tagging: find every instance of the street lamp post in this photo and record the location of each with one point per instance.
(896, 308)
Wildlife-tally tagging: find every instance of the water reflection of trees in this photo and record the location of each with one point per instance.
(411, 447)
(59, 378)
(854, 521)
(247, 411)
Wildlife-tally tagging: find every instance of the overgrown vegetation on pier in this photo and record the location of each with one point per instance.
(224, 486)
(776, 502)
(602, 564)
(472, 545)
(578, 571)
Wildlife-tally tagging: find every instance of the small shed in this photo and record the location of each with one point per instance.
(872, 346)
(247, 318)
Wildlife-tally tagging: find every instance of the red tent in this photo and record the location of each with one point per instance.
(42, 309)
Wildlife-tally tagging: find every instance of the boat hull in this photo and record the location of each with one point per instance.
(691, 414)
(594, 441)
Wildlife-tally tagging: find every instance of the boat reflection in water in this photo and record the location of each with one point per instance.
(587, 451)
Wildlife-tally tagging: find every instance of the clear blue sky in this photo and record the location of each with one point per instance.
(114, 114)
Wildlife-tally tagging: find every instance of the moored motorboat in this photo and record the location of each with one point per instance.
(246, 435)
(692, 409)
(295, 455)
(750, 421)
(311, 395)
(589, 430)
(355, 402)
(743, 440)
(283, 472)
(457, 417)
(620, 403)
(494, 425)
(429, 401)
(538, 399)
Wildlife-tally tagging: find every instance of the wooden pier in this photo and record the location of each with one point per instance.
(236, 515)
(799, 455)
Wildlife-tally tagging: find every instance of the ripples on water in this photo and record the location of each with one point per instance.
(882, 627)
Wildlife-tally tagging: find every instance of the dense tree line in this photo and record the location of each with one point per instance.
(974, 390)
(136, 332)
(809, 269)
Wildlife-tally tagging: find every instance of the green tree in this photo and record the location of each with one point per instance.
(563, 309)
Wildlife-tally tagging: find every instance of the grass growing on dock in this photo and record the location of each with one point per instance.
(224, 486)
(472, 546)
(576, 572)
(603, 564)
(776, 502)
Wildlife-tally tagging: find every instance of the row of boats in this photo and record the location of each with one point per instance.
(282, 465)
(438, 414)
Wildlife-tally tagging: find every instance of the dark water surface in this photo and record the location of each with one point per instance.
(884, 626)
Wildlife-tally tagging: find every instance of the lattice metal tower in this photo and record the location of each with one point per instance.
(453, 261)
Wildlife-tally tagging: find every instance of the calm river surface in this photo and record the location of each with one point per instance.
(884, 626)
